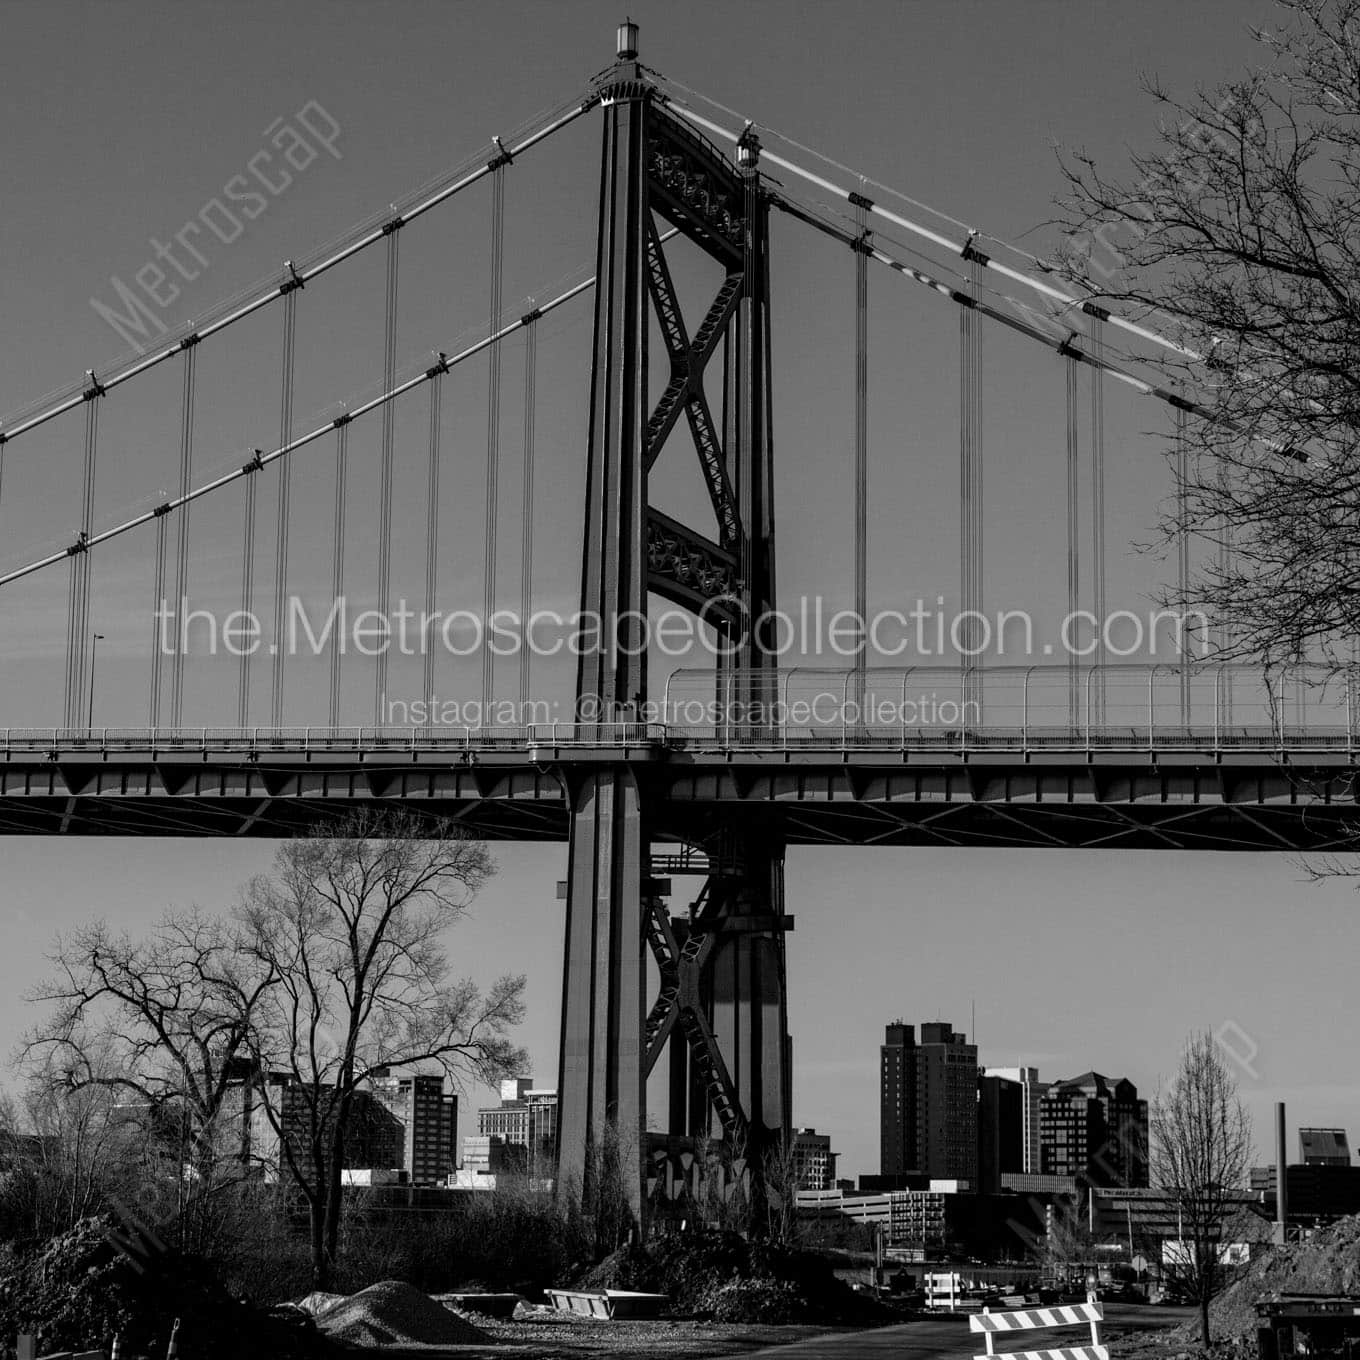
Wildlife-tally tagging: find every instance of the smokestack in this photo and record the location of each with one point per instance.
(1281, 1186)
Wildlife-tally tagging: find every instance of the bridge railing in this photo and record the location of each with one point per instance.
(318, 740)
(1023, 709)
(1154, 706)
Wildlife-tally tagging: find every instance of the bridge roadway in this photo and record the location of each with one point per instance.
(1261, 788)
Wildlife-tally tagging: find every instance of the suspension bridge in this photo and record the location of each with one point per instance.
(710, 771)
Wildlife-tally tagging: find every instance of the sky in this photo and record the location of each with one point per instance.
(122, 122)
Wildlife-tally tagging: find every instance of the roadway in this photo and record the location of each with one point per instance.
(948, 1338)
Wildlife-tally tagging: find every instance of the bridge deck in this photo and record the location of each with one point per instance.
(1248, 789)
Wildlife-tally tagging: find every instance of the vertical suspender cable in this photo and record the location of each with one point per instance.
(493, 430)
(1074, 695)
(965, 478)
(280, 649)
(526, 561)
(971, 491)
(158, 641)
(186, 472)
(430, 634)
(861, 452)
(385, 491)
(247, 593)
(78, 619)
(338, 561)
(979, 498)
(1098, 567)
(1183, 553)
(1225, 562)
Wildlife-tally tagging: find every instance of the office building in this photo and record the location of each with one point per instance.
(1032, 1090)
(1095, 1129)
(1324, 1147)
(373, 1137)
(525, 1118)
(928, 1103)
(1314, 1194)
(1001, 1131)
(814, 1164)
(425, 1123)
(244, 1130)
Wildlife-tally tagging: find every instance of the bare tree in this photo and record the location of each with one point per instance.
(350, 925)
(169, 1015)
(1237, 234)
(781, 1179)
(65, 1151)
(154, 1031)
(1201, 1135)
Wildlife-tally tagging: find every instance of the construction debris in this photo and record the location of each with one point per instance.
(1327, 1263)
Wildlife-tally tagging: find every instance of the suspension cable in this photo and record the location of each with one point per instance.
(1066, 347)
(338, 558)
(861, 447)
(186, 454)
(385, 475)
(970, 486)
(493, 432)
(279, 649)
(262, 459)
(159, 608)
(432, 539)
(424, 202)
(984, 260)
(247, 582)
(78, 620)
(526, 561)
(1226, 638)
(1073, 541)
(1183, 551)
(1099, 604)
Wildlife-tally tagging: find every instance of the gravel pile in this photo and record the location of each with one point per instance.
(392, 1312)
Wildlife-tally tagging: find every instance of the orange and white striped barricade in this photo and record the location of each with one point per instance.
(1039, 1319)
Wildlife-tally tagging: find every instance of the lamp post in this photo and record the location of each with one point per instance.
(95, 640)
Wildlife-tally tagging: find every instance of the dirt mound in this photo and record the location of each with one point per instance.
(103, 1278)
(393, 1312)
(1328, 1263)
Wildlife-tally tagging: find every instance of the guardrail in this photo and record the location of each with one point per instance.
(1024, 710)
(729, 741)
(258, 740)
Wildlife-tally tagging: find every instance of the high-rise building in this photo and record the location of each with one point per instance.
(245, 1132)
(1095, 1129)
(1032, 1090)
(928, 1103)
(373, 1137)
(426, 1123)
(525, 1118)
(1324, 1147)
(1001, 1123)
(814, 1164)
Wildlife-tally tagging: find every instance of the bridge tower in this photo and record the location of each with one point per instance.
(719, 1015)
